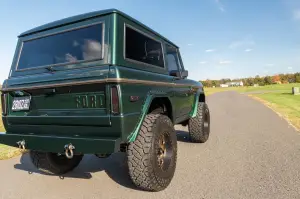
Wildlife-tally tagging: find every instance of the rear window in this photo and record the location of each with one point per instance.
(142, 48)
(82, 44)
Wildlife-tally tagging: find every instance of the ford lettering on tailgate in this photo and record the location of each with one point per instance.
(90, 101)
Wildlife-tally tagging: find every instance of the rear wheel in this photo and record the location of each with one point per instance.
(152, 156)
(199, 126)
(53, 163)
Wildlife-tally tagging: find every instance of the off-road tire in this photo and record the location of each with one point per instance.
(199, 126)
(51, 163)
(143, 162)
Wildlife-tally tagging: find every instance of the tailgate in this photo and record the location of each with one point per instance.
(75, 99)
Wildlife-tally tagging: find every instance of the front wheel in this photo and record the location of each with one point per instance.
(199, 126)
(53, 163)
(152, 156)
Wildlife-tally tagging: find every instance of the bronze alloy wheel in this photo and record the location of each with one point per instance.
(165, 151)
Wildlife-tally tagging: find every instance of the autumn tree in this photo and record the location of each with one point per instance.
(276, 78)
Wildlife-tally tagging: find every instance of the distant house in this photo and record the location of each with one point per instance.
(223, 85)
(229, 84)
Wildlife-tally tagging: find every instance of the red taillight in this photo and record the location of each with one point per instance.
(114, 100)
(3, 104)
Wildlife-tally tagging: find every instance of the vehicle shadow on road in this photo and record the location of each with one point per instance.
(182, 136)
(114, 166)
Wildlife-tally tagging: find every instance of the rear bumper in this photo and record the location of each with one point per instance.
(56, 144)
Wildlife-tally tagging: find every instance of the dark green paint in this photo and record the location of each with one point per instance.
(60, 119)
(55, 143)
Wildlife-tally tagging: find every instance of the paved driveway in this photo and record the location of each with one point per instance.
(251, 153)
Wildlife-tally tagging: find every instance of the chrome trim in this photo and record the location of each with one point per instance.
(59, 32)
(147, 35)
(108, 80)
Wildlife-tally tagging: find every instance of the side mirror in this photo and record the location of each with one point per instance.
(184, 74)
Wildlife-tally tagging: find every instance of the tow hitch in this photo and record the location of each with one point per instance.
(69, 151)
(21, 145)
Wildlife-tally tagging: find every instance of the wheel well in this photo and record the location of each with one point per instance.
(162, 105)
(202, 97)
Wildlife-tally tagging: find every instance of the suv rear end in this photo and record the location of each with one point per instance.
(57, 90)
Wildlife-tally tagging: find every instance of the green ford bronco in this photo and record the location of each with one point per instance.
(99, 83)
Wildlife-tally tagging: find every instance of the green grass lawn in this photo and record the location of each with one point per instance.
(274, 87)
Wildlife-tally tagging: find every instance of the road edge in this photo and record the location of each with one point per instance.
(270, 106)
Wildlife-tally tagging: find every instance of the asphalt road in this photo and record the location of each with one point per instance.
(251, 153)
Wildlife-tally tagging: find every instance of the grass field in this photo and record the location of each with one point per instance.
(268, 88)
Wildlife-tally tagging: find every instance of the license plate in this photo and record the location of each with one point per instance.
(21, 104)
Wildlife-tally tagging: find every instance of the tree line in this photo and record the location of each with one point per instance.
(261, 81)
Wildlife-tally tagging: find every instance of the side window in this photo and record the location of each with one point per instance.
(172, 58)
(142, 48)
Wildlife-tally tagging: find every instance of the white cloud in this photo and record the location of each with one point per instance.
(190, 44)
(209, 50)
(224, 62)
(248, 50)
(220, 5)
(269, 64)
(290, 68)
(202, 62)
(296, 14)
(246, 42)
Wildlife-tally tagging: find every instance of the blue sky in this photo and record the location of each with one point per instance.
(217, 38)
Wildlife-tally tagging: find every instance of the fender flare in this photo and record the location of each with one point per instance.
(193, 113)
(146, 105)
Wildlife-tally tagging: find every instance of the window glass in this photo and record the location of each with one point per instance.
(67, 47)
(142, 48)
(172, 57)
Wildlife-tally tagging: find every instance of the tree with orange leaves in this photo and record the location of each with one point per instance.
(276, 79)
